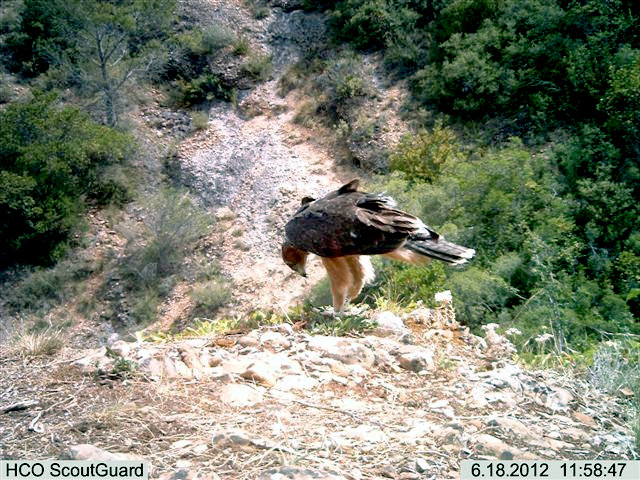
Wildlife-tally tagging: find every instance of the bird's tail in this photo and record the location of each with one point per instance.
(440, 249)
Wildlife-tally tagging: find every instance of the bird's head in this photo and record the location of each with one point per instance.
(295, 258)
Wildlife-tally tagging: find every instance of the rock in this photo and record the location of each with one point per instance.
(443, 297)
(91, 452)
(240, 395)
(122, 348)
(389, 324)
(250, 340)
(191, 357)
(180, 444)
(559, 399)
(420, 315)
(422, 465)
(288, 5)
(345, 350)
(227, 439)
(584, 419)
(516, 428)
(296, 382)
(186, 473)
(415, 359)
(448, 436)
(499, 346)
(235, 365)
(261, 373)
(182, 370)
(296, 473)
(492, 446)
(274, 340)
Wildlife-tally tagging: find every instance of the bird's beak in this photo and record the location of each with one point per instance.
(301, 270)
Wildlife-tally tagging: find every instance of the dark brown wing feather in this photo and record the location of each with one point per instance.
(348, 222)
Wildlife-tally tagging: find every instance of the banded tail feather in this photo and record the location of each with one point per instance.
(441, 249)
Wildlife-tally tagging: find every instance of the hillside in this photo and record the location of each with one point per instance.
(221, 368)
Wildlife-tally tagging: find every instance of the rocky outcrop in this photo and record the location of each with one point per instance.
(332, 400)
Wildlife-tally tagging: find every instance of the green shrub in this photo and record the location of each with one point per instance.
(217, 37)
(407, 284)
(210, 296)
(258, 67)
(206, 88)
(42, 288)
(421, 156)
(171, 224)
(52, 161)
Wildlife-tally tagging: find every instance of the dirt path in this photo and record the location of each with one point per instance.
(260, 167)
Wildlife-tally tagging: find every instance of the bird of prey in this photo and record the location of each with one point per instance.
(346, 226)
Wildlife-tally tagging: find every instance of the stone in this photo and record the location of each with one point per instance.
(345, 350)
(240, 395)
(122, 348)
(186, 473)
(274, 340)
(559, 399)
(190, 356)
(443, 297)
(296, 382)
(261, 373)
(224, 213)
(422, 465)
(86, 451)
(235, 365)
(296, 473)
(493, 446)
(249, 341)
(388, 324)
(516, 427)
(420, 315)
(180, 444)
(416, 359)
(584, 419)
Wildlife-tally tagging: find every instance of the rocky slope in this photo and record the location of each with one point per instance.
(408, 400)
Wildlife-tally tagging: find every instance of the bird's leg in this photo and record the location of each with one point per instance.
(339, 277)
(357, 275)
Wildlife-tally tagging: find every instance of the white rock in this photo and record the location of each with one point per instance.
(296, 382)
(416, 359)
(345, 350)
(444, 297)
(490, 445)
(261, 373)
(389, 324)
(91, 452)
(240, 395)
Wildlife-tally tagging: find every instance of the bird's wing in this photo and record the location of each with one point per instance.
(348, 222)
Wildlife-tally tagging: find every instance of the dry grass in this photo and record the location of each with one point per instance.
(39, 344)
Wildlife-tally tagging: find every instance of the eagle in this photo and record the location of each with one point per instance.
(347, 226)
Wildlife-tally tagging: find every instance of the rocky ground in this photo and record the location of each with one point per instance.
(407, 400)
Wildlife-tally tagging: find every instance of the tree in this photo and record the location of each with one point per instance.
(52, 160)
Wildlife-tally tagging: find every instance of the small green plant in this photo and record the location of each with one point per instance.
(206, 88)
(241, 46)
(122, 367)
(352, 320)
(200, 120)
(217, 37)
(211, 295)
(39, 344)
(207, 328)
(258, 9)
(258, 67)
